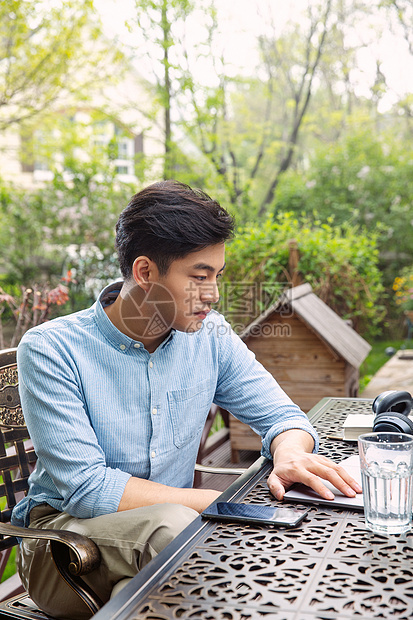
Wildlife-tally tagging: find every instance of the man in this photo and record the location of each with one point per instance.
(116, 396)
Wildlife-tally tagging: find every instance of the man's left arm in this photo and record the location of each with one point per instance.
(250, 392)
(294, 461)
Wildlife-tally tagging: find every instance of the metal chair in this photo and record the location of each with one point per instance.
(73, 554)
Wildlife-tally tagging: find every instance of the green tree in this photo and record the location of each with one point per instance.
(231, 151)
(298, 74)
(159, 22)
(236, 134)
(251, 130)
(67, 225)
(340, 263)
(50, 53)
(363, 179)
(248, 128)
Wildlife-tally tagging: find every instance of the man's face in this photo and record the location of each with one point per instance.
(153, 304)
(192, 284)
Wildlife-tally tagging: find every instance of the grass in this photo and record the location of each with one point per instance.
(11, 562)
(10, 566)
(376, 359)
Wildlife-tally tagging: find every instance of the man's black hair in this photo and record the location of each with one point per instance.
(166, 221)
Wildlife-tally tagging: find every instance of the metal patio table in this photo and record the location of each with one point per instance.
(329, 568)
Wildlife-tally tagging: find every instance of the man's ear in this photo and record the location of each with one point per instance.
(141, 271)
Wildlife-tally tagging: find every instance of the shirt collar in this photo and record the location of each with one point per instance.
(117, 338)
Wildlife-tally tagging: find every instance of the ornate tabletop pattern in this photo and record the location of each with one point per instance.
(329, 568)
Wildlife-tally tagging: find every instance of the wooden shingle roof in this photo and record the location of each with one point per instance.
(320, 318)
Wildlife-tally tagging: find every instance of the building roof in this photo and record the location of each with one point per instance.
(320, 318)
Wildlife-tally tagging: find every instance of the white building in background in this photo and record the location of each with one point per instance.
(119, 120)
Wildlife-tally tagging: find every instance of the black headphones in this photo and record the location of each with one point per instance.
(392, 410)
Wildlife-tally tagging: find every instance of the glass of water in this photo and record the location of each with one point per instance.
(386, 464)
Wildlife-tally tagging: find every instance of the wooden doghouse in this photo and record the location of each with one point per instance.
(309, 350)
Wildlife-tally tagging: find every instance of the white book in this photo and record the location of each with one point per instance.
(356, 424)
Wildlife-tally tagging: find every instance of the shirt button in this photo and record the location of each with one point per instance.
(122, 346)
(136, 345)
(150, 364)
(154, 411)
(153, 454)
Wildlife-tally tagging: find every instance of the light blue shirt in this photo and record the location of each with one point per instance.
(100, 408)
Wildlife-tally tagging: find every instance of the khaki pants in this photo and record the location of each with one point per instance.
(127, 540)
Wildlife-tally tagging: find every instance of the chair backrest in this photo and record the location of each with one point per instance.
(17, 456)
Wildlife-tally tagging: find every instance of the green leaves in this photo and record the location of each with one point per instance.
(340, 262)
(48, 52)
(69, 223)
(363, 179)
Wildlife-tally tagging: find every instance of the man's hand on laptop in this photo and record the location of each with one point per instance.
(295, 462)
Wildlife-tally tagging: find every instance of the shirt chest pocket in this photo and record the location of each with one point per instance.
(188, 409)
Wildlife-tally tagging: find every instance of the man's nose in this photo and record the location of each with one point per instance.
(210, 293)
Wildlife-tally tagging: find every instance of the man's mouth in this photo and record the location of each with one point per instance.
(202, 313)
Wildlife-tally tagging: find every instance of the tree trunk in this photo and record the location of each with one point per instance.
(166, 27)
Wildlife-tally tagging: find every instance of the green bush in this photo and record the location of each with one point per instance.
(340, 263)
(364, 179)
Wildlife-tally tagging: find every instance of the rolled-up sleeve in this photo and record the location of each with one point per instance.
(71, 467)
(251, 394)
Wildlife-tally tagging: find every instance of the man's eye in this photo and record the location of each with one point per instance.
(219, 275)
(200, 278)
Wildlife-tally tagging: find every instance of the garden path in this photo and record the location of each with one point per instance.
(396, 374)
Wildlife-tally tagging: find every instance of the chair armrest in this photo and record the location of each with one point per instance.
(206, 469)
(86, 552)
(73, 554)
